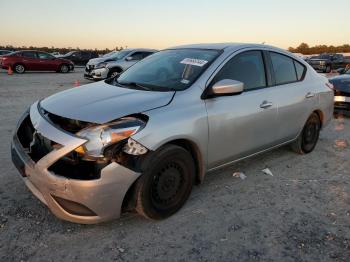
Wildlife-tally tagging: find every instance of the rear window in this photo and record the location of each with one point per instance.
(283, 66)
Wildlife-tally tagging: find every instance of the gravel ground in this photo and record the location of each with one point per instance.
(301, 213)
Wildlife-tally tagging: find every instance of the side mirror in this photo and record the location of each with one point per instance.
(227, 87)
(129, 58)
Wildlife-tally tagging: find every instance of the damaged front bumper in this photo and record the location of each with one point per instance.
(96, 74)
(75, 200)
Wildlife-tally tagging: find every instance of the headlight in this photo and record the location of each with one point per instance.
(101, 136)
(322, 62)
(101, 65)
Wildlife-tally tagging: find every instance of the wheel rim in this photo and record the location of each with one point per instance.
(19, 68)
(64, 69)
(168, 186)
(310, 134)
(114, 74)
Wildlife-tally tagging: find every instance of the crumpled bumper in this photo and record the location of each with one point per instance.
(80, 201)
(97, 74)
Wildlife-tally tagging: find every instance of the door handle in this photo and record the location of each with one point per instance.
(309, 95)
(266, 104)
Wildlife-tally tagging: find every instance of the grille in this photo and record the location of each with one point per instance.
(36, 145)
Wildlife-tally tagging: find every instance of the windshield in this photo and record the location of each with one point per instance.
(110, 54)
(119, 54)
(69, 53)
(169, 69)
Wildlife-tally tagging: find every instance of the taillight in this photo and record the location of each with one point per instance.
(330, 85)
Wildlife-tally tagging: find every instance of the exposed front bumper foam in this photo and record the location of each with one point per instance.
(84, 201)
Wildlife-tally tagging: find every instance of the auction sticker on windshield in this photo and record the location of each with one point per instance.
(194, 61)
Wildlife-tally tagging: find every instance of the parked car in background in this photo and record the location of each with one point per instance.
(341, 85)
(110, 54)
(22, 61)
(56, 54)
(5, 52)
(114, 64)
(80, 57)
(328, 62)
(141, 141)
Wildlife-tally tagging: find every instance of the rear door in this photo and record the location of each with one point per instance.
(243, 124)
(30, 60)
(295, 99)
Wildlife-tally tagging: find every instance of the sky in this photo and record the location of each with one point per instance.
(163, 23)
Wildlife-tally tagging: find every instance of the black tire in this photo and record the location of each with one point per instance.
(19, 68)
(328, 69)
(166, 182)
(113, 72)
(64, 68)
(308, 138)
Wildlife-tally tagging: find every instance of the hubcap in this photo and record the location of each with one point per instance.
(114, 74)
(64, 69)
(19, 68)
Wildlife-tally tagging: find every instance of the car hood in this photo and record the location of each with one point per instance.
(98, 60)
(341, 83)
(64, 60)
(101, 103)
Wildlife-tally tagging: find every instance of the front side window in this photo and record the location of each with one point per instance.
(45, 56)
(29, 54)
(137, 56)
(145, 54)
(247, 67)
(166, 70)
(283, 67)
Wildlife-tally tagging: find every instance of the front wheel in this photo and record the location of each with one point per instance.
(308, 138)
(166, 182)
(64, 68)
(113, 72)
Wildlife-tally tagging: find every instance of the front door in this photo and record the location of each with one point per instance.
(246, 123)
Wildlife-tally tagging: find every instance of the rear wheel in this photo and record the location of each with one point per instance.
(166, 183)
(64, 68)
(19, 68)
(308, 138)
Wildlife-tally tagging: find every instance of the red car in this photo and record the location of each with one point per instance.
(22, 61)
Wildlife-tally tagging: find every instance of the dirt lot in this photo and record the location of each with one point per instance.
(301, 213)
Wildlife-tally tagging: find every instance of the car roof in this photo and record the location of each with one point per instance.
(140, 49)
(221, 46)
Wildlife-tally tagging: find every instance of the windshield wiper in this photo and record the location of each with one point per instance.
(134, 84)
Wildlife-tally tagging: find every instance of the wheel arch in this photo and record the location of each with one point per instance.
(129, 200)
(320, 115)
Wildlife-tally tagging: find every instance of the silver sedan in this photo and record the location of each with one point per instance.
(141, 140)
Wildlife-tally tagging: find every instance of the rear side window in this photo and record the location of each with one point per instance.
(29, 54)
(300, 69)
(247, 67)
(283, 67)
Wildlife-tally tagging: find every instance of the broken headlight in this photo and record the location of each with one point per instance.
(101, 136)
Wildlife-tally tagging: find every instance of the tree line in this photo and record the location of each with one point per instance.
(52, 49)
(305, 49)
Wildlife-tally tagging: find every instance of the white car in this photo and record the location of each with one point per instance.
(114, 64)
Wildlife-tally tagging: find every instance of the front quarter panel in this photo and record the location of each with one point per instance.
(184, 118)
